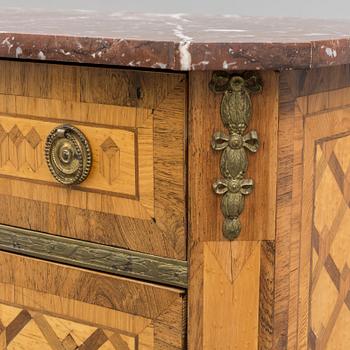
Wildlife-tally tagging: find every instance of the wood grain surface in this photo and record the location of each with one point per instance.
(135, 122)
(50, 306)
(231, 283)
(312, 285)
(258, 217)
(22, 156)
(283, 284)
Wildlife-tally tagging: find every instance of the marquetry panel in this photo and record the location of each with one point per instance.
(237, 292)
(330, 276)
(230, 288)
(109, 160)
(135, 124)
(24, 328)
(113, 150)
(50, 306)
(312, 279)
(231, 283)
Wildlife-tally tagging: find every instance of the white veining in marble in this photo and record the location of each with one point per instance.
(41, 56)
(172, 41)
(331, 52)
(185, 42)
(19, 51)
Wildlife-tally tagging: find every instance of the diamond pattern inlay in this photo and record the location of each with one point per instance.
(16, 136)
(33, 138)
(4, 150)
(20, 328)
(110, 148)
(330, 285)
(16, 147)
(3, 134)
(109, 160)
(20, 150)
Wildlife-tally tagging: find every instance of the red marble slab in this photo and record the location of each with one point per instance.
(173, 41)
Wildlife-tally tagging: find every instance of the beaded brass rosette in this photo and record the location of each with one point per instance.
(68, 155)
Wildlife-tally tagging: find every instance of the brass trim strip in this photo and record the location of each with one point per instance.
(94, 256)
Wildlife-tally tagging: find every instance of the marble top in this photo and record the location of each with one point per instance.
(173, 41)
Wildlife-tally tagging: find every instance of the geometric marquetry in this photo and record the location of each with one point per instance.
(34, 149)
(236, 314)
(312, 285)
(16, 147)
(4, 156)
(19, 150)
(25, 150)
(231, 284)
(330, 277)
(110, 160)
(136, 186)
(44, 305)
(33, 138)
(28, 329)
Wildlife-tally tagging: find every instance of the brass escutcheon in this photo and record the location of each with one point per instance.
(68, 155)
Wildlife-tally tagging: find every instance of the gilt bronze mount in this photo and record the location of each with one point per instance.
(94, 256)
(236, 111)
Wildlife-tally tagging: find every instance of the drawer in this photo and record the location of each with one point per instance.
(50, 306)
(134, 122)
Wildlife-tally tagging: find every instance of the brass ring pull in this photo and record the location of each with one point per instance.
(68, 155)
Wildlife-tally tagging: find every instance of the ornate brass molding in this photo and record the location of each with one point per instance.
(68, 155)
(116, 261)
(236, 110)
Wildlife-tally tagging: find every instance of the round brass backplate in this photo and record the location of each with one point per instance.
(68, 155)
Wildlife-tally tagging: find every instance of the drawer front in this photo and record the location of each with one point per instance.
(134, 122)
(50, 306)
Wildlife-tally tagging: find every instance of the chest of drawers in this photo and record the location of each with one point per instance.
(173, 188)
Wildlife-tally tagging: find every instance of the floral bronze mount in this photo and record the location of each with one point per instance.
(236, 111)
